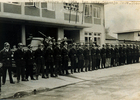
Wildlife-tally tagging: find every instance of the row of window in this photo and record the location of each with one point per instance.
(95, 34)
(90, 10)
(44, 5)
(96, 38)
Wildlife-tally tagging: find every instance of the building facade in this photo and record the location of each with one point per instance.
(78, 21)
(131, 36)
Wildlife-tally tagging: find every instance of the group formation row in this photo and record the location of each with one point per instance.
(57, 60)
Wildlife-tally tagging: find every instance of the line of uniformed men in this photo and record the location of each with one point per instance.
(54, 59)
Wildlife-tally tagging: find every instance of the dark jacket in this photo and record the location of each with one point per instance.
(57, 54)
(65, 54)
(5, 58)
(19, 57)
(86, 54)
(49, 55)
(80, 54)
(39, 56)
(73, 53)
(29, 57)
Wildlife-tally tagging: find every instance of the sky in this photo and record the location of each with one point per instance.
(122, 17)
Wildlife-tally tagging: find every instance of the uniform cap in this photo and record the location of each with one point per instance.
(40, 44)
(65, 43)
(29, 46)
(20, 44)
(6, 44)
(50, 43)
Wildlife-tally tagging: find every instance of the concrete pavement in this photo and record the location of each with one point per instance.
(31, 87)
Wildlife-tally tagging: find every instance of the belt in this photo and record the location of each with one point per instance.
(21, 58)
(41, 56)
(7, 58)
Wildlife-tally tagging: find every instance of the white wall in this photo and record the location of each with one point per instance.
(126, 36)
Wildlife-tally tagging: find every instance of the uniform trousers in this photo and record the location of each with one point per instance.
(73, 65)
(4, 74)
(29, 71)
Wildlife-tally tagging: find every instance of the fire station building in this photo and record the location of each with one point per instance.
(81, 22)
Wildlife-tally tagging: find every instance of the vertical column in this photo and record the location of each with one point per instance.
(22, 8)
(2, 7)
(60, 34)
(23, 35)
(40, 9)
(82, 36)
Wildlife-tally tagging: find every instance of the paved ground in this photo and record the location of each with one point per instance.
(117, 83)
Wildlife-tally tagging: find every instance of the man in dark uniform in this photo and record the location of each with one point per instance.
(40, 60)
(98, 57)
(112, 55)
(125, 54)
(80, 56)
(131, 54)
(117, 55)
(103, 56)
(29, 62)
(65, 58)
(93, 56)
(73, 57)
(87, 58)
(6, 59)
(58, 59)
(134, 53)
(108, 55)
(121, 54)
(137, 53)
(1, 74)
(49, 58)
(19, 57)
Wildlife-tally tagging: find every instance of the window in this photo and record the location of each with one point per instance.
(31, 3)
(88, 37)
(97, 38)
(15, 3)
(88, 10)
(48, 5)
(71, 6)
(51, 6)
(96, 12)
(44, 5)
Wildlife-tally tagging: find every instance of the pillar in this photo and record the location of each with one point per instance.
(23, 35)
(60, 34)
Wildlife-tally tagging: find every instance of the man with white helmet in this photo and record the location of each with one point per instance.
(6, 60)
(19, 57)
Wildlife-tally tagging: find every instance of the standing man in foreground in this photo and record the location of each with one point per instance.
(19, 57)
(5, 58)
(40, 60)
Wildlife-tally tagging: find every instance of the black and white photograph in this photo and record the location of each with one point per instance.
(69, 50)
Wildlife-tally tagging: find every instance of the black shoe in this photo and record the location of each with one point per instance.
(3, 83)
(23, 80)
(12, 82)
(32, 79)
(43, 77)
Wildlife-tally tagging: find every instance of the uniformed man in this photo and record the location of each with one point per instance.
(117, 55)
(6, 59)
(128, 54)
(121, 54)
(87, 58)
(29, 62)
(49, 58)
(73, 57)
(80, 56)
(93, 56)
(65, 58)
(112, 55)
(108, 56)
(134, 53)
(40, 60)
(1, 74)
(137, 53)
(125, 54)
(58, 59)
(131, 53)
(19, 57)
(103, 56)
(98, 57)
